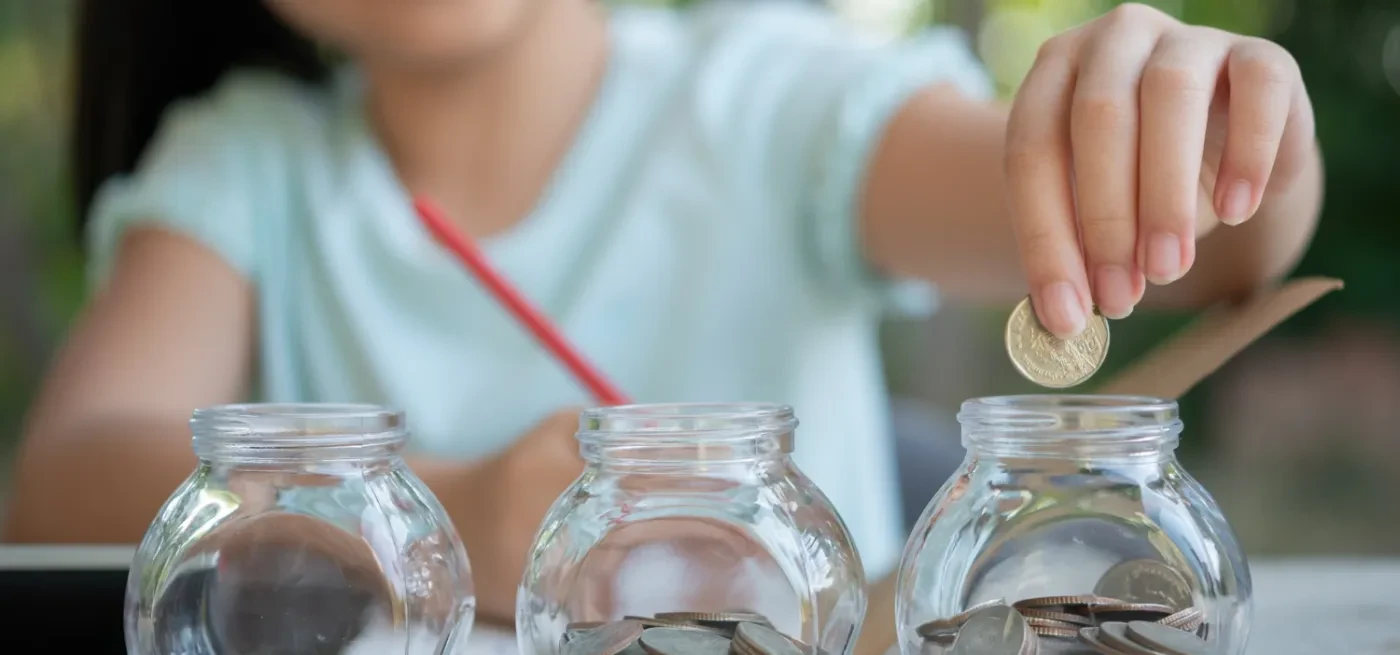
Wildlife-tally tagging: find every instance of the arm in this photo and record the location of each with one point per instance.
(108, 439)
(938, 201)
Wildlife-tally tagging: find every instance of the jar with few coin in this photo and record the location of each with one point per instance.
(1072, 527)
(690, 532)
(300, 530)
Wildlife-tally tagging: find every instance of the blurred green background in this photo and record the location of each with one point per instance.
(1297, 437)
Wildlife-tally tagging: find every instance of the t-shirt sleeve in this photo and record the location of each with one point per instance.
(818, 97)
(199, 177)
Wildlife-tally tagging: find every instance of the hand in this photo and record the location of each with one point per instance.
(1134, 135)
(509, 496)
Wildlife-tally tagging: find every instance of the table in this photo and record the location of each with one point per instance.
(1301, 606)
(1356, 601)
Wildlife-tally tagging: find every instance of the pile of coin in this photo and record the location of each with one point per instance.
(1068, 625)
(1048, 360)
(681, 633)
(1139, 607)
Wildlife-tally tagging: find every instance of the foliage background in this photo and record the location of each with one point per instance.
(1297, 437)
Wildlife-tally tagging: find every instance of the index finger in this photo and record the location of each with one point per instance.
(1038, 174)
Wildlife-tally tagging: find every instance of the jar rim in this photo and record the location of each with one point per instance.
(698, 419)
(287, 427)
(1072, 424)
(1079, 402)
(672, 431)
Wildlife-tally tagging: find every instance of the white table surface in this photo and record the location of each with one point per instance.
(1301, 606)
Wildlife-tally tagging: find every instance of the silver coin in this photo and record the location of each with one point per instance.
(939, 626)
(1165, 639)
(678, 641)
(722, 619)
(1146, 581)
(996, 630)
(1127, 612)
(1066, 604)
(1188, 619)
(658, 622)
(1115, 636)
(1075, 620)
(1090, 637)
(932, 648)
(762, 640)
(942, 637)
(608, 639)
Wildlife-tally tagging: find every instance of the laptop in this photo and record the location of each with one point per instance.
(63, 598)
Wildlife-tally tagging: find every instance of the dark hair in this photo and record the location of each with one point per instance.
(136, 57)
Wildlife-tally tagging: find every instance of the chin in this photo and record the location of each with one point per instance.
(456, 37)
(426, 33)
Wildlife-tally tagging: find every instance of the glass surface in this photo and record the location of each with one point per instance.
(301, 532)
(1073, 495)
(694, 508)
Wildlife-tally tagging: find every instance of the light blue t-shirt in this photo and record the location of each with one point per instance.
(698, 243)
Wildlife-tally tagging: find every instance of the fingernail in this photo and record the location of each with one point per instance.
(1064, 316)
(1163, 258)
(1113, 288)
(1237, 204)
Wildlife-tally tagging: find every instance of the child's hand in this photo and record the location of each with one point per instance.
(508, 497)
(1130, 136)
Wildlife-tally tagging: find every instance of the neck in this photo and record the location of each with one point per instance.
(483, 139)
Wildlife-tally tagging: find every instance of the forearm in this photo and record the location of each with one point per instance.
(83, 487)
(105, 485)
(934, 204)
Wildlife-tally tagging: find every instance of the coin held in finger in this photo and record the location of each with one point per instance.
(1048, 360)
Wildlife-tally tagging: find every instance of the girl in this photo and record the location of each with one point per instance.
(715, 204)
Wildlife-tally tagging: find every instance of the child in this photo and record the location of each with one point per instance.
(715, 204)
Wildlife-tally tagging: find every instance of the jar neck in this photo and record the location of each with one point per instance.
(297, 434)
(1071, 427)
(685, 437)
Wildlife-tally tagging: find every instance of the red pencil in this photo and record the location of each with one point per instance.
(518, 305)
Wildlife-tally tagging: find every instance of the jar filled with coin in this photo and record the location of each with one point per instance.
(690, 532)
(1072, 528)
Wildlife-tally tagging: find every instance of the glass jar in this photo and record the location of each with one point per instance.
(300, 531)
(692, 508)
(1081, 498)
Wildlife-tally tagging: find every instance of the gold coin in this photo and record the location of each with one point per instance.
(1048, 360)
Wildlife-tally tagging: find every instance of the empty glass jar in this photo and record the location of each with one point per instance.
(1074, 511)
(691, 508)
(300, 531)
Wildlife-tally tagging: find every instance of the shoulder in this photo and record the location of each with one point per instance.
(216, 168)
(246, 108)
(792, 59)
